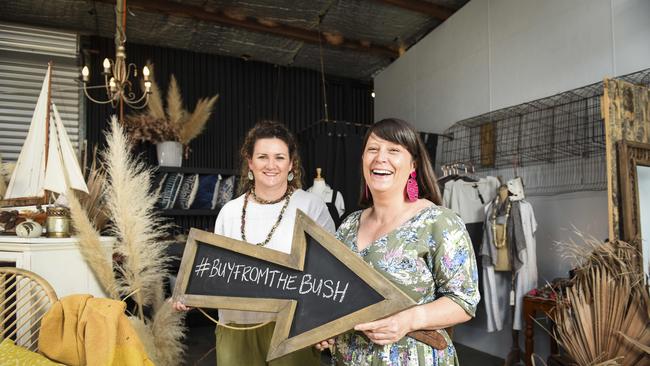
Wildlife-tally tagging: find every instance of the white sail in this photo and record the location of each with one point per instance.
(32, 174)
(62, 166)
(29, 173)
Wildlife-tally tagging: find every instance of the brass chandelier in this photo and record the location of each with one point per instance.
(117, 73)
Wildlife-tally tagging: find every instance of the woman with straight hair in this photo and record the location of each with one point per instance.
(419, 246)
(264, 215)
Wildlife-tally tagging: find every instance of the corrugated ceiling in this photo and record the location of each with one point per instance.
(372, 23)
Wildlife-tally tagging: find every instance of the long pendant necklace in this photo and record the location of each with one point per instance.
(502, 243)
(286, 197)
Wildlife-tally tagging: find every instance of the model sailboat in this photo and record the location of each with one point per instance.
(47, 161)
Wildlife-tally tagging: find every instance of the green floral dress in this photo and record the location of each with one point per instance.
(428, 257)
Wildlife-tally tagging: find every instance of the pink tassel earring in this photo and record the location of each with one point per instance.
(412, 191)
(366, 193)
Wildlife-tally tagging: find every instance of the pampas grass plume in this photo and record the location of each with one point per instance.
(91, 248)
(140, 247)
(175, 112)
(135, 224)
(155, 104)
(168, 331)
(195, 123)
(177, 124)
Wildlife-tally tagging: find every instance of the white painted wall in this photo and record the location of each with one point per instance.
(493, 54)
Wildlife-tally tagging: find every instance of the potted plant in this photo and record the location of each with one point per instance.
(171, 128)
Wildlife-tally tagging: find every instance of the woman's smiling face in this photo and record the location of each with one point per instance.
(386, 165)
(270, 163)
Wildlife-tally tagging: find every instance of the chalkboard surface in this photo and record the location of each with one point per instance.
(319, 290)
(325, 290)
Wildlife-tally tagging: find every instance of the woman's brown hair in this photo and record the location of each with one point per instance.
(402, 133)
(267, 130)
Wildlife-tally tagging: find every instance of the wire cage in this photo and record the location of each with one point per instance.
(556, 144)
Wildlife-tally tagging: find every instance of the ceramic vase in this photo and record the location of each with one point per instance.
(170, 153)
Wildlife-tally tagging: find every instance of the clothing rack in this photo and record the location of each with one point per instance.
(457, 167)
(333, 122)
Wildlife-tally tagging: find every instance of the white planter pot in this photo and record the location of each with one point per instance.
(170, 153)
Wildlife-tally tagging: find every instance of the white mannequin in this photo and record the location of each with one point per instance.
(516, 187)
(325, 192)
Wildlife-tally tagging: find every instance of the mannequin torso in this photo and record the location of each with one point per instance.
(333, 200)
(321, 189)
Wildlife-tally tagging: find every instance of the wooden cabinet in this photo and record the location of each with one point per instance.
(59, 261)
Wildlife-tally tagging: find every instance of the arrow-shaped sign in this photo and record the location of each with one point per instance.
(319, 290)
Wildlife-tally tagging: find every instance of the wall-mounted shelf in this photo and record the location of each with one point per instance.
(188, 170)
(190, 212)
(198, 218)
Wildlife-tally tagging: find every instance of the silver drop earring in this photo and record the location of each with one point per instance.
(290, 177)
(250, 175)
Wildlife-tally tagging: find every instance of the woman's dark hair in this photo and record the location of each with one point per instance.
(267, 130)
(402, 133)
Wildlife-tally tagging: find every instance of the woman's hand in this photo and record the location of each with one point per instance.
(323, 345)
(179, 306)
(440, 313)
(387, 330)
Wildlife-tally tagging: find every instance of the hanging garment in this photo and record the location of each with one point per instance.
(468, 200)
(333, 199)
(338, 154)
(497, 285)
(336, 208)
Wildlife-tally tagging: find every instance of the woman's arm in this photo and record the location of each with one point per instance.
(453, 266)
(438, 314)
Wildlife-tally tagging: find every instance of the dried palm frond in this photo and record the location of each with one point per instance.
(135, 224)
(607, 303)
(91, 248)
(195, 123)
(175, 111)
(144, 127)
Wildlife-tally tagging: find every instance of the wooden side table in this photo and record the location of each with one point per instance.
(533, 305)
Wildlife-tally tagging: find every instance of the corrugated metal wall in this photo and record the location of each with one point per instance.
(24, 54)
(249, 91)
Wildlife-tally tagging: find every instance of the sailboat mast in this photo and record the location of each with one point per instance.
(50, 65)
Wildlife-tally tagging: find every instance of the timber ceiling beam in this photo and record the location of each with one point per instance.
(231, 18)
(436, 11)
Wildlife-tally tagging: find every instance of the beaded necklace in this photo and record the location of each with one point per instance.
(267, 202)
(286, 197)
(493, 220)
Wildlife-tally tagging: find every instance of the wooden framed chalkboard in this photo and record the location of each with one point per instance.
(319, 290)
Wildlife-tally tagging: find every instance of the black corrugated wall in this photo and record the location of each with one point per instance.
(249, 91)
